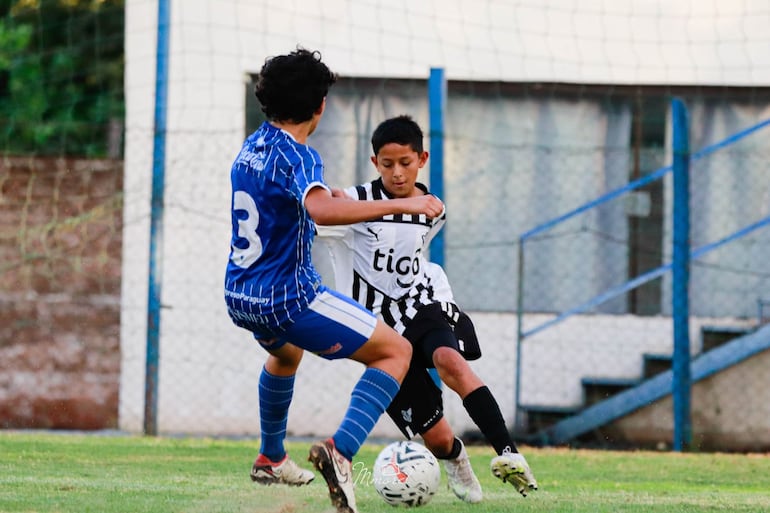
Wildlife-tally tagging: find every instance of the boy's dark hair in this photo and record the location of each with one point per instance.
(292, 87)
(400, 130)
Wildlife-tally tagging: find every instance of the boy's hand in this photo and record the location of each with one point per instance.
(427, 204)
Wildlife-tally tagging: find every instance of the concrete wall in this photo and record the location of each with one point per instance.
(730, 412)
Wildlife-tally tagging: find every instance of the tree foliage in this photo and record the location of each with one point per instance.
(61, 76)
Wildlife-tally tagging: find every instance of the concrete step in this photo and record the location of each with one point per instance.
(653, 364)
(596, 390)
(715, 336)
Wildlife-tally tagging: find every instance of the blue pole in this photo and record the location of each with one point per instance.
(681, 391)
(156, 222)
(437, 107)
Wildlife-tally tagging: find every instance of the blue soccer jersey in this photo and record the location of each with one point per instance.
(270, 278)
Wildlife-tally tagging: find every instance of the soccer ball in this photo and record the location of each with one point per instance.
(406, 474)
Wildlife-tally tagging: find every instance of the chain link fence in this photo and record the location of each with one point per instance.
(568, 318)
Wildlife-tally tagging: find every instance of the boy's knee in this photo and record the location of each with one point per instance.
(449, 361)
(404, 352)
(284, 361)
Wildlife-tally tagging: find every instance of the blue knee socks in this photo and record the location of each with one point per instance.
(275, 393)
(371, 395)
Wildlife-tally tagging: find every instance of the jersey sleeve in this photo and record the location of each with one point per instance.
(308, 173)
(333, 257)
(435, 227)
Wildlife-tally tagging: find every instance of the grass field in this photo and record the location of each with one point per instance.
(45, 472)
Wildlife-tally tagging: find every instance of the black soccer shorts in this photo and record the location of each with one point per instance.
(418, 405)
(441, 325)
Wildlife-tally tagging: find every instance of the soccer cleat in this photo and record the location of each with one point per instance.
(287, 472)
(337, 472)
(511, 467)
(461, 479)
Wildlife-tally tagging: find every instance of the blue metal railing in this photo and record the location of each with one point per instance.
(641, 279)
(634, 282)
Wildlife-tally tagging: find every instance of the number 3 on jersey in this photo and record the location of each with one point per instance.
(247, 229)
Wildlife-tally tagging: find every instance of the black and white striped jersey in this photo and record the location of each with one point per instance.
(391, 275)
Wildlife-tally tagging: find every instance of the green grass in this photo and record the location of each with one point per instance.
(105, 474)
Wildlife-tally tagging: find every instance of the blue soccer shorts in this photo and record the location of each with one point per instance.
(333, 326)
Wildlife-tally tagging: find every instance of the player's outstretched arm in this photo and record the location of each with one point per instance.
(326, 209)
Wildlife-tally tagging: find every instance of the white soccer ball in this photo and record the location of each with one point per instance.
(406, 474)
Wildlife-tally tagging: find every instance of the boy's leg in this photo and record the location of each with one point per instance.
(482, 407)
(477, 399)
(418, 409)
(509, 465)
(335, 327)
(276, 387)
(384, 353)
(386, 356)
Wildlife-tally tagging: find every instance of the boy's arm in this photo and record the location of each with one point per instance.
(326, 209)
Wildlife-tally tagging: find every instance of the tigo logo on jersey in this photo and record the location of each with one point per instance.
(405, 266)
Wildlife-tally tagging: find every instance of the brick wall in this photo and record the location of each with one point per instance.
(60, 254)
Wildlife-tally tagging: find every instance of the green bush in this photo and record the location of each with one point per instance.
(61, 77)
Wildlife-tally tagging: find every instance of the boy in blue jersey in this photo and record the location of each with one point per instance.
(273, 290)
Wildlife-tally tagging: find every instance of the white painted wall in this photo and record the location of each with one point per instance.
(209, 368)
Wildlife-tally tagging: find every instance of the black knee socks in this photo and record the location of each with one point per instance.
(485, 412)
(455, 452)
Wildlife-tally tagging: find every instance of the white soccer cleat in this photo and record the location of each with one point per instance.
(286, 471)
(512, 467)
(337, 472)
(461, 479)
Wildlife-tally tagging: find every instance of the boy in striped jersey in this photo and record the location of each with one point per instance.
(273, 290)
(392, 277)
